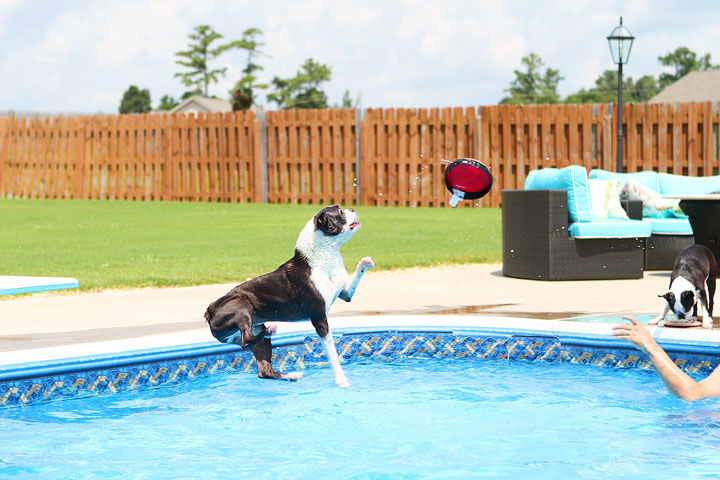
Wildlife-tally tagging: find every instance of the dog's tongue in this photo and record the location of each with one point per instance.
(354, 225)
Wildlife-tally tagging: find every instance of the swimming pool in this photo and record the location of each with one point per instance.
(474, 399)
(403, 418)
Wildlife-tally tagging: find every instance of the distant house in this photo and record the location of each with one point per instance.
(198, 104)
(693, 87)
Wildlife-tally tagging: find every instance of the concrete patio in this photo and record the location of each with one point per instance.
(65, 318)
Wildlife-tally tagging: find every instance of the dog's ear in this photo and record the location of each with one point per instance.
(669, 296)
(330, 220)
(321, 220)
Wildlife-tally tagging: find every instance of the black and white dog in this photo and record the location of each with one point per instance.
(694, 269)
(303, 288)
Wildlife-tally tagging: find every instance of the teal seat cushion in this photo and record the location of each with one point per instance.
(681, 185)
(669, 226)
(610, 228)
(647, 178)
(573, 180)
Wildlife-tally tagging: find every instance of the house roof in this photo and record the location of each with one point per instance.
(693, 87)
(202, 104)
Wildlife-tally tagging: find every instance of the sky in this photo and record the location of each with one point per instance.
(80, 56)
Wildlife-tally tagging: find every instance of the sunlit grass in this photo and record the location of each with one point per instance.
(116, 244)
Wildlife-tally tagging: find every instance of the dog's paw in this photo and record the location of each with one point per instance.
(655, 321)
(270, 329)
(707, 324)
(342, 382)
(293, 376)
(366, 263)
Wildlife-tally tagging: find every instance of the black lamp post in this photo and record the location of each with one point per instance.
(620, 41)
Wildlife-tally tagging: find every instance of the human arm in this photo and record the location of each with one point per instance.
(677, 382)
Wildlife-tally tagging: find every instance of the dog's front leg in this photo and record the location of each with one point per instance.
(707, 321)
(351, 285)
(323, 329)
(656, 320)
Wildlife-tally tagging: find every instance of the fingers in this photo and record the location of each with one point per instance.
(620, 331)
(632, 319)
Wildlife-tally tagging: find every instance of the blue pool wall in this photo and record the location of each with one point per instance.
(108, 374)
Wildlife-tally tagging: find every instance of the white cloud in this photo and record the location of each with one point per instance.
(83, 56)
(6, 8)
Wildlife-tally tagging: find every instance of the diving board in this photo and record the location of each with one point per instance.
(10, 285)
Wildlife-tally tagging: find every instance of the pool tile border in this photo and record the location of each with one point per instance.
(114, 373)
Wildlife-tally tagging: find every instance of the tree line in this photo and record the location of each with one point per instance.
(532, 84)
(304, 90)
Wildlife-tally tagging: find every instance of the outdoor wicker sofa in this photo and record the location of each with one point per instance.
(550, 231)
(536, 243)
(669, 235)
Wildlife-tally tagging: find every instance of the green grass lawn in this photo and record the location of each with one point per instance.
(117, 244)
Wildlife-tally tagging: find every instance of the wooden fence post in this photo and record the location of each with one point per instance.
(607, 143)
(359, 116)
(4, 140)
(263, 156)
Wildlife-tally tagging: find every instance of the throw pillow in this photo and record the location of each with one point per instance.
(654, 205)
(605, 199)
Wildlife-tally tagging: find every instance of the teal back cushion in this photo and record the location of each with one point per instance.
(681, 185)
(573, 180)
(647, 178)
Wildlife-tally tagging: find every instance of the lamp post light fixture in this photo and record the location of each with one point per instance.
(620, 41)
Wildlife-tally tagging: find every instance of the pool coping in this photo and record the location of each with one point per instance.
(29, 377)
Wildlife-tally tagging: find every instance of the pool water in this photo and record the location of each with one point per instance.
(604, 318)
(404, 418)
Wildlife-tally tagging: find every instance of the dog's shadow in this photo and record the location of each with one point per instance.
(661, 273)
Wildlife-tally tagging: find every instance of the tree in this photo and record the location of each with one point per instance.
(243, 94)
(198, 55)
(303, 90)
(167, 103)
(135, 100)
(532, 86)
(606, 90)
(683, 61)
(347, 101)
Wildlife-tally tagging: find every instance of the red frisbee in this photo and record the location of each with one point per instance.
(467, 178)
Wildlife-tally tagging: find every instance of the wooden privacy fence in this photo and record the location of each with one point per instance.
(311, 156)
(131, 157)
(405, 151)
(390, 157)
(672, 138)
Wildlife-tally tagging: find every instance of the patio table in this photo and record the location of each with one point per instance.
(12, 285)
(703, 211)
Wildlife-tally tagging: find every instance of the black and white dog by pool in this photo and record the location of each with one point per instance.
(303, 288)
(695, 269)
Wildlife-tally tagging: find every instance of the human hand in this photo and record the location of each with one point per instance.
(635, 333)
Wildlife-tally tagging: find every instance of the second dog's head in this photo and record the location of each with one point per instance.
(330, 226)
(681, 298)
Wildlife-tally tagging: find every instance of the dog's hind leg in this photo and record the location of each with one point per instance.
(263, 355)
(710, 281)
